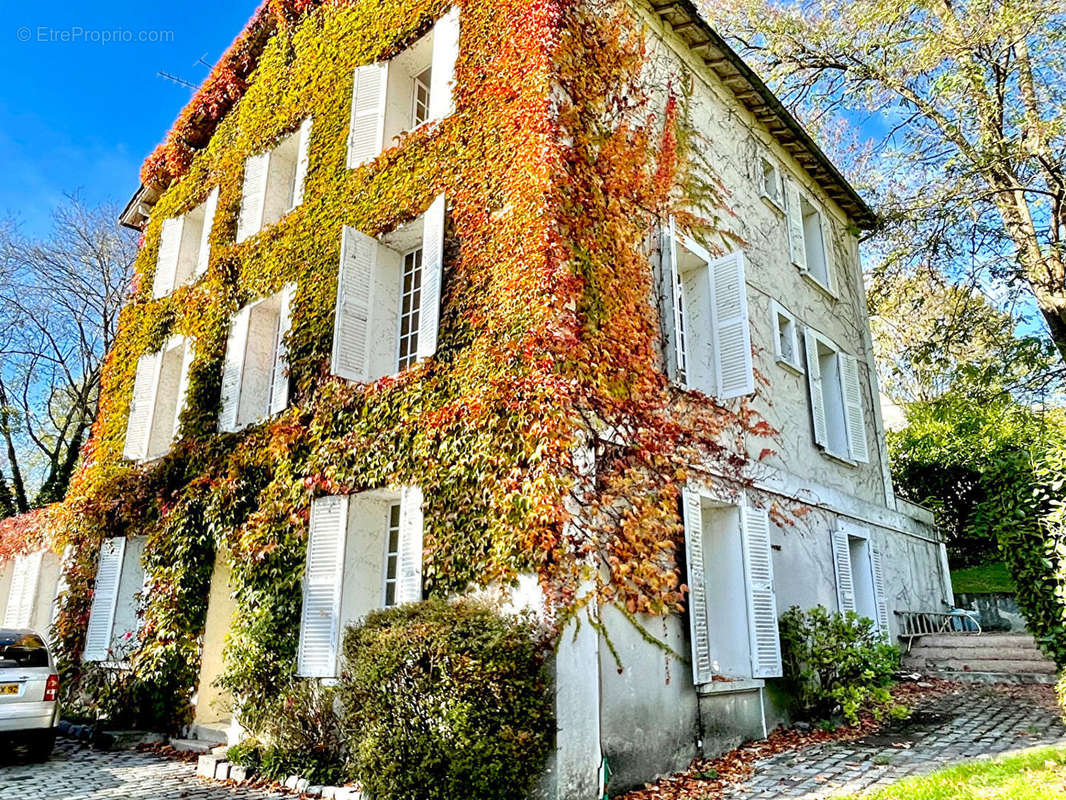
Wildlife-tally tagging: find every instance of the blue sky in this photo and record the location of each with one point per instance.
(80, 113)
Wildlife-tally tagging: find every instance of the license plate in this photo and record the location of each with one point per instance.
(9, 688)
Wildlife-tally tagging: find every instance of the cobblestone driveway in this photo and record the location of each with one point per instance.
(76, 772)
(971, 723)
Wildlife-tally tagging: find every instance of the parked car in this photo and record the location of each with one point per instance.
(29, 692)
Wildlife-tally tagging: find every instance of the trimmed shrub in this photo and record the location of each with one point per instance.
(447, 701)
(838, 665)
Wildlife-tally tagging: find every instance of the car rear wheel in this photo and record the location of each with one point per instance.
(42, 745)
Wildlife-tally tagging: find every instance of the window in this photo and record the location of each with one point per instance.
(732, 608)
(159, 391)
(707, 337)
(810, 238)
(388, 298)
(391, 98)
(770, 183)
(114, 619)
(22, 594)
(364, 552)
(255, 378)
(274, 183)
(786, 338)
(26, 650)
(836, 399)
(859, 573)
(184, 247)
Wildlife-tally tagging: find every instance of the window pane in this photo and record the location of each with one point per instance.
(410, 301)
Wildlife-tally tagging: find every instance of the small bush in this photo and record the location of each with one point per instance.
(838, 664)
(447, 701)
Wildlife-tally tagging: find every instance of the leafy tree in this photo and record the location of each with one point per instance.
(967, 103)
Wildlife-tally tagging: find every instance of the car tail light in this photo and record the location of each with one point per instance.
(51, 689)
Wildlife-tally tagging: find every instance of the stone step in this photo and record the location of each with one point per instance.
(994, 677)
(976, 653)
(1032, 667)
(198, 746)
(989, 640)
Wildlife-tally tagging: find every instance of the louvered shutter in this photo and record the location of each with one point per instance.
(105, 599)
(23, 593)
(670, 313)
(445, 53)
(814, 381)
(432, 278)
(854, 418)
(187, 356)
(142, 406)
(233, 370)
(734, 372)
(323, 576)
(881, 598)
(351, 326)
(409, 576)
(698, 622)
(203, 258)
(842, 566)
(366, 137)
(762, 599)
(279, 385)
(253, 200)
(794, 214)
(166, 266)
(827, 248)
(303, 161)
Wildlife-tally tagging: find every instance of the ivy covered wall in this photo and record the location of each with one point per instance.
(557, 165)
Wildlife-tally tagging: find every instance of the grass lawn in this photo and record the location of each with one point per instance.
(984, 579)
(1038, 774)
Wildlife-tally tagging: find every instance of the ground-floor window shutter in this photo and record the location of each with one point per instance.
(233, 370)
(879, 589)
(762, 600)
(323, 575)
(409, 587)
(732, 330)
(142, 406)
(23, 593)
(366, 135)
(253, 199)
(814, 380)
(105, 599)
(699, 625)
(203, 257)
(279, 388)
(842, 566)
(351, 328)
(432, 278)
(854, 418)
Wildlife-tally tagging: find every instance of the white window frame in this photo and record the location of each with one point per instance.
(795, 364)
(274, 182)
(768, 169)
(184, 248)
(799, 208)
(149, 379)
(390, 554)
(852, 419)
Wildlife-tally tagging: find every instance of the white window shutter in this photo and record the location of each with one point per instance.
(794, 213)
(303, 161)
(366, 136)
(203, 258)
(735, 374)
(253, 200)
(105, 598)
(827, 248)
(279, 386)
(351, 325)
(432, 278)
(445, 54)
(166, 266)
(233, 370)
(187, 356)
(409, 575)
(699, 624)
(22, 595)
(842, 566)
(814, 381)
(854, 417)
(670, 313)
(762, 598)
(879, 589)
(142, 406)
(323, 576)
